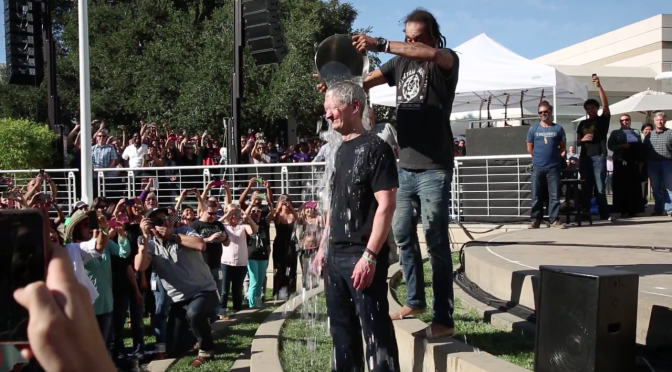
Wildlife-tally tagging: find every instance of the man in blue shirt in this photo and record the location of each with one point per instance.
(546, 143)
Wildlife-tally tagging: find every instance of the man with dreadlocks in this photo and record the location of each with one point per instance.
(425, 73)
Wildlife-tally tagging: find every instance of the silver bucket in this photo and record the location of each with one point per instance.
(338, 60)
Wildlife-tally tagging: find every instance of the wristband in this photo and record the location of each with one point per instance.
(370, 260)
(372, 253)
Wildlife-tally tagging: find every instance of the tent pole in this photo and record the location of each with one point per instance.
(555, 109)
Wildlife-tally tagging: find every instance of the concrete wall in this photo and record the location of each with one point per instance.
(643, 44)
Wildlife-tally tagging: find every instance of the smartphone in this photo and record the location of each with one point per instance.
(24, 234)
(311, 205)
(44, 197)
(237, 213)
(217, 184)
(122, 218)
(129, 202)
(113, 223)
(93, 220)
(594, 75)
(8, 195)
(261, 195)
(41, 172)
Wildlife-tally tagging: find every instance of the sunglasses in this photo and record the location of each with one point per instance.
(256, 211)
(543, 112)
(212, 213)
(213, 204)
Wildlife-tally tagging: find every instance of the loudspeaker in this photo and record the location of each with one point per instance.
(263, 31)
(586, 320)
(494, 190)
(287, 131)
(497, 141)
(23, 42)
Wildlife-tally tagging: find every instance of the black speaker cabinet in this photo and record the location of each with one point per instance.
(263, 31)
(586, 320)
(497, 141)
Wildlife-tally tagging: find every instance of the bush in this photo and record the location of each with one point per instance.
(25, 144)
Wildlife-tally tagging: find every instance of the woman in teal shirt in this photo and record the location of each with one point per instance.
(99, 270)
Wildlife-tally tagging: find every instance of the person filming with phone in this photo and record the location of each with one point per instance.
(176, 254)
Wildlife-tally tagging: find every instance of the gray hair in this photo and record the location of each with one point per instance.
(660, 113)
(347, 93)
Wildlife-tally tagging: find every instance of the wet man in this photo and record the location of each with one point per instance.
(363, 195)
(425, 73)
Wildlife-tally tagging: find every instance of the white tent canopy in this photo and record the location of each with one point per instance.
(489, 69)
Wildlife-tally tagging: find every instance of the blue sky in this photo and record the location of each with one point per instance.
(530, 28)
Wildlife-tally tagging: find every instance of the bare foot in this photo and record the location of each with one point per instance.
(434, 331)
(405, 312)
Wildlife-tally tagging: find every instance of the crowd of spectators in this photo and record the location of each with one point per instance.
(178, 266)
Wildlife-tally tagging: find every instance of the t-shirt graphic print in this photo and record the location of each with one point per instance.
(412, 87)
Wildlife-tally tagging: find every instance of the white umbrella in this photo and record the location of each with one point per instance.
(644, 102)
(664, 75)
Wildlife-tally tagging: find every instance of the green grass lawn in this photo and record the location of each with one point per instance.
(229, 344)
(472, 330)
(305, 346)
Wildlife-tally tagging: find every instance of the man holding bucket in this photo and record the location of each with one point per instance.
(425, 74)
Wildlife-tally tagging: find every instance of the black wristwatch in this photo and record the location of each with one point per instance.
(381, 45)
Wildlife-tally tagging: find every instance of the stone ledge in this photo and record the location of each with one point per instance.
(441, 355)
(266, 343)
(496, 317)
(218, 326)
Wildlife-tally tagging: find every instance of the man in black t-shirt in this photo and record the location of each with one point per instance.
(214, 235)
(591, 135)
(363, 189)
(425, 73)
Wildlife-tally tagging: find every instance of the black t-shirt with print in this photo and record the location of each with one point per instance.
(599, 128)
(259, 244)
(366, 165)
(425, 95)
(213, 251)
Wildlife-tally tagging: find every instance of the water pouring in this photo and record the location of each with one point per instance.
(338, 60)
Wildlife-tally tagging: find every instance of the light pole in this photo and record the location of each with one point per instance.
(85, 103)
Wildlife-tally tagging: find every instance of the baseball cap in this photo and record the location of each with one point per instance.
(79, 204)
(155, 210)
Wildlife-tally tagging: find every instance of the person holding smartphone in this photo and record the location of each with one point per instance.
(176, 254)
(215, 237)
(591, 135)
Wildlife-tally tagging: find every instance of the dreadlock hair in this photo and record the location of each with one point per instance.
(421, 15)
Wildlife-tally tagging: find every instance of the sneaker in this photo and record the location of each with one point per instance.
(201, 360)
(612, 219)
(558, 225)
(535, 224)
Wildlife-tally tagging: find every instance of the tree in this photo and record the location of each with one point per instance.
(171, 60)
(25, 144)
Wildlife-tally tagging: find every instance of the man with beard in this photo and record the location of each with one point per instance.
(425, 73)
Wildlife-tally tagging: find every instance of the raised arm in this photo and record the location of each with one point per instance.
(413, 50)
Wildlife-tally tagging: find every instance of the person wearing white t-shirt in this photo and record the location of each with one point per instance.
(91, 247)
(135, 154)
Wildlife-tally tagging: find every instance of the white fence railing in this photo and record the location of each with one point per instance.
(483, 187)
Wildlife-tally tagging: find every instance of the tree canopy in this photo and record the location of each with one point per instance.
(25, 144)
(171, 60)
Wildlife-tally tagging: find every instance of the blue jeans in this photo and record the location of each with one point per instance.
(545, 182)
(353, 312)
(593, 170)
(217, 274)
(104, 323)
(430, 189)
(660, 174)
(160, 313)
(256, 269)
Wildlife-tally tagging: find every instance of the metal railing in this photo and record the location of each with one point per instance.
(482, 187)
